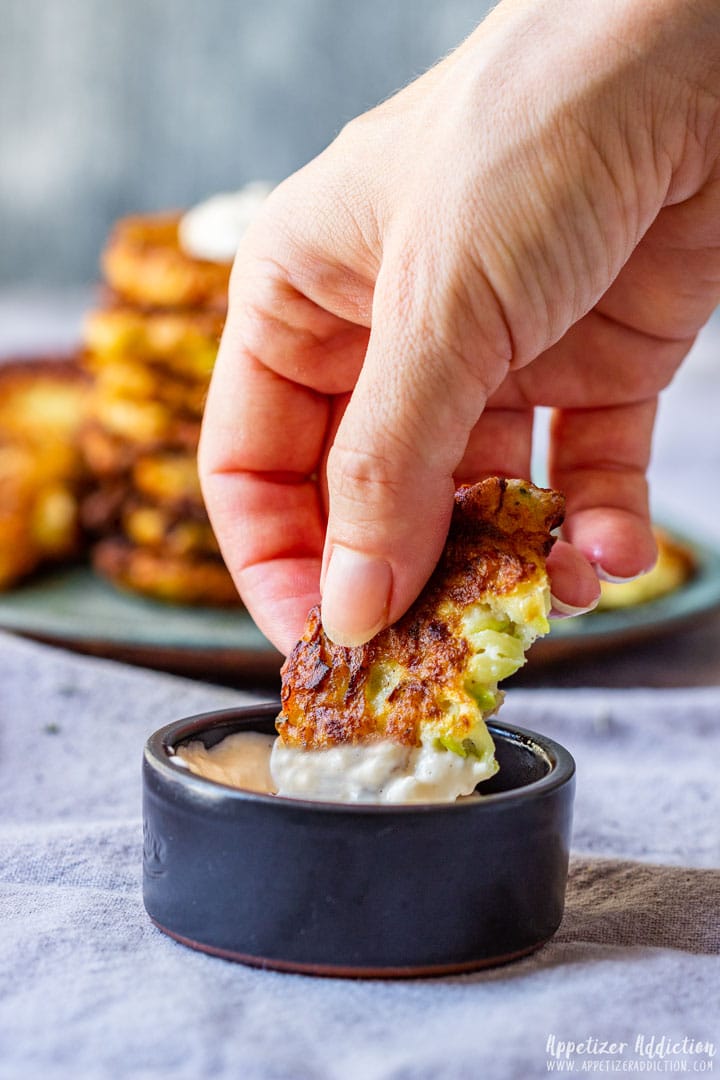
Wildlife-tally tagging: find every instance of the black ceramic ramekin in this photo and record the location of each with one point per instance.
(353, 889)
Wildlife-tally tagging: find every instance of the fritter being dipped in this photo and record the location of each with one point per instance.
(402, 718)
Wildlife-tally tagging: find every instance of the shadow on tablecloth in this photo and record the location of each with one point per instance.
(618, 902)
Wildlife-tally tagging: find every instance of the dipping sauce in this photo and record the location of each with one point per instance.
(214, 228)
(240, 761)
(377, 772)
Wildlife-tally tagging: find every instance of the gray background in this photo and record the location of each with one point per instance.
(112, 106)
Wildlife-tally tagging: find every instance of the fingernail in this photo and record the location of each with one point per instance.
(355, 596)
(560, 610)
(612, 579)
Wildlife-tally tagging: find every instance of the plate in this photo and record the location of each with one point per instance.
(76, 609)
(599, 631)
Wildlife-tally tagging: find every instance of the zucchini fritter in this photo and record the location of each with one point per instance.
(38, 510)
(168, 478)
(144, 263)
(132, 379)
(41, 399)
(160, 470)
(144, 423)
(184, 342)
(675, 565)
(431, 678)
(164, 575)
(154, 526)
(41, 472)
(151, 346)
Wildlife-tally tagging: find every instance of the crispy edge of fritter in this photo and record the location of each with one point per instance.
(163, 576)
(144, 262)
(499, 537)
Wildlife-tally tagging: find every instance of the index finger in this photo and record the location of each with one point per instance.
(261, 442)
(261, 449)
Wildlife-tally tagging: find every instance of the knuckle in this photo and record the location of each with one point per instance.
(363, 475)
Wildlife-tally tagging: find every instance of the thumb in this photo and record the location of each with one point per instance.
(426, 377)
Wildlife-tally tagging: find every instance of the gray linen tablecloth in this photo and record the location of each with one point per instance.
(91, 989)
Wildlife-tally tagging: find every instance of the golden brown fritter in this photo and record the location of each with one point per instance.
(115, 506)
(184, 342)
(163, 575)
(144, 424)
(161, 470)
(153, 526)
(433, 674)
(107, 456)
(169, 478)
(101, 507)
(38, 510)
(675, 565)
(41, 471)
(42, 399)
(132, 379)
(144, 263)
(163, 476)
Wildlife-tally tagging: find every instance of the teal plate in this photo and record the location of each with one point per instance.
(76, 609)
(597, 631)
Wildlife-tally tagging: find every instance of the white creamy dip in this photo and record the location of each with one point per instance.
(213, 229)
(377, 772)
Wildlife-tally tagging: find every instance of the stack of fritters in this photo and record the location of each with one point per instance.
(150, 350)
(42, 477)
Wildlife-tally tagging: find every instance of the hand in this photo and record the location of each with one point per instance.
(535, 221)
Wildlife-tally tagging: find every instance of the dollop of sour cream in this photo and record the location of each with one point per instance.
(213, 229)
(376, 772)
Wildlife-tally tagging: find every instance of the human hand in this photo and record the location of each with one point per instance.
(535, 221)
